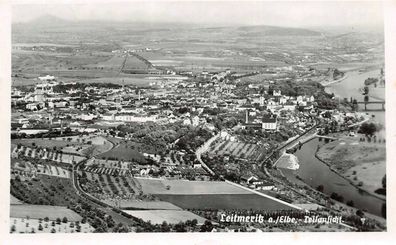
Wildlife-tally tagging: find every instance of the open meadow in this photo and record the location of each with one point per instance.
(186, 187)
(42, 211)
(170, 216)
(224, 202)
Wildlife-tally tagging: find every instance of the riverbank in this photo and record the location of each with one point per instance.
(362, 164)
(325, 84)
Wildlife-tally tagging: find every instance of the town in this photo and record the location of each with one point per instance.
(152, 138)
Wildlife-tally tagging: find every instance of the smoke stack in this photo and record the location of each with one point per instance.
(247, 117)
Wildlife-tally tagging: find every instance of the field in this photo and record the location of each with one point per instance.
(42, 211)
(45, 154)
(42, 142)
(349, 152)
(53, 171)
(111, 63)
(236, 149)
(170, 216)
(149, 205)
(363, 163)
(370, 174)
(110, 188)
(185, 187)
(133, 62)
(44, 190)
(14, 200)
(124, 152)
(23, 225)
(224, 201)
(75, 145)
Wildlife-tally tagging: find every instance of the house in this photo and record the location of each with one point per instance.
(289, 106)
(265, 186)
(277, 93)
(269, 122)
(250, 179)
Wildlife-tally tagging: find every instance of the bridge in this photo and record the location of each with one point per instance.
(365, 103)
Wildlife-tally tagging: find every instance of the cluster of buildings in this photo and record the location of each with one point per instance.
(178, 99)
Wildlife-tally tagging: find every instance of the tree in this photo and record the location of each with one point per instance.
(384, 182)
(320, 188)
(53, 230)
(180, 227)
(207, 226)
(350, 203)
(40, 227)
(64, 220)
(359, 213)
(383, 210)
(165, 227)
(368, 128)
(13, 228)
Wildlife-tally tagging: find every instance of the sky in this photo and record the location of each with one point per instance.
(280, 13)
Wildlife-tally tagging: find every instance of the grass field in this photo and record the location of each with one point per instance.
(43, 142)
(112, 63)
(170, 216)
(224, 201)
(370, 174)
(349, 152)
(124, 152)
(14, 200)
(42, 211)
(134, 63)
(185, 187)
(45, 190)
(363, 163)
(149, 205)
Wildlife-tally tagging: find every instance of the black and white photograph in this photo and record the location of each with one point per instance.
(197, 116)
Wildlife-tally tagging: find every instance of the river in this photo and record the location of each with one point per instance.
(350, 87)
(315, 173)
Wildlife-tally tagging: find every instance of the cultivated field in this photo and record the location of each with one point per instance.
(45, 143)
(45, 154)
(124, 151)
(42, 211)
(170, 216)
(14, 200)
(236, 149)
(224, 201)
(23, 225)
(110, 188)
(185, 187)
(53, 171)
(149, 205)
(44, 190)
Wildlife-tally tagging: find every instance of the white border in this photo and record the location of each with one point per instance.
(192, 238)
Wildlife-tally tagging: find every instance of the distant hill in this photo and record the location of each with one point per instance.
(277, 31)
(48, 20)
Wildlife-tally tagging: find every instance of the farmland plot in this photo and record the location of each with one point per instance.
(42, 211)
(236, 149)
(170, 216)
(180, 187)
(224, 202)
(23, 225)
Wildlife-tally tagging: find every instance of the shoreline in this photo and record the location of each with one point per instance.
(331, 167)
(335, 81)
